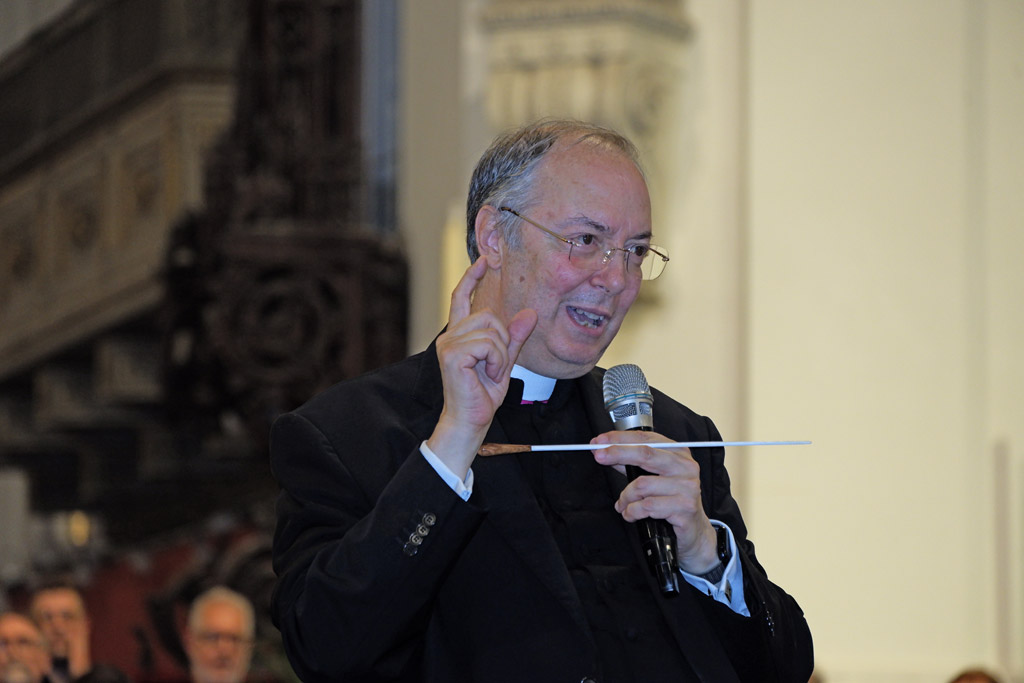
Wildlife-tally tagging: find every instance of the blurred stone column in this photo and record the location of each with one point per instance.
(614, 62)
(14, 513)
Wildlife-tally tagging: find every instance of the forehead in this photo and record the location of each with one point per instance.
(58, 599)
(221, 615)
(17, 626)
(581, 156)
(587, 176)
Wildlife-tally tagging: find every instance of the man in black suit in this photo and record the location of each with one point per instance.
(402, 556)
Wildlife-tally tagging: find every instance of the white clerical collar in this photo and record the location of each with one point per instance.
(535, 387)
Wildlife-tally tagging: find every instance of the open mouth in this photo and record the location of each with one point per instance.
(585, 318)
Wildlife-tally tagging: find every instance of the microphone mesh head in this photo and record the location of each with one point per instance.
(624, 379)
(627, 398)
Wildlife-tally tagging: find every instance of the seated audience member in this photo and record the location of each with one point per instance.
(23, 654)
(59, 611)
(219, 636)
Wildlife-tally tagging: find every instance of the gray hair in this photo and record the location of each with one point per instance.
(222, 594)
(505, 174)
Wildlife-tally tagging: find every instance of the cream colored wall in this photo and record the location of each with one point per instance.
(845, 217)
(1000, 204)
(430, 175)
(885, 324)
(688, 335)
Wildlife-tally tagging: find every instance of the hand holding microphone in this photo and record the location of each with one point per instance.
(655, 501)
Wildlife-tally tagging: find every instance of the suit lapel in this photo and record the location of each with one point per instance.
(515, 515)
(685, 618)
(513, 511)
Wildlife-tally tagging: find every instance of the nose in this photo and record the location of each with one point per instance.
(613, 273)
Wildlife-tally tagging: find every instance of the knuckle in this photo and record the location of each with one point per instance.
(642, 486)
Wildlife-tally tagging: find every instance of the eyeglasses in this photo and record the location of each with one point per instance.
(20, 644)
(589, 252)
(211, 638)
(61, 615)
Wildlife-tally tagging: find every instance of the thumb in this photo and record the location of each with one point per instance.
(519, 330)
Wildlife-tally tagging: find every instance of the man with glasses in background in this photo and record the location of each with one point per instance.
(219, 636)
(402, 556)
(58, 608)
(23, 654)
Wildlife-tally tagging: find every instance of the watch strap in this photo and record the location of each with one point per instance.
(715, 574)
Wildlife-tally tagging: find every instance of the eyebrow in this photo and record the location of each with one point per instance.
(604, 229)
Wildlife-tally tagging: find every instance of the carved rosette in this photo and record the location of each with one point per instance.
(284, 318)
(78, 217)
(143, 179)
(17, 258)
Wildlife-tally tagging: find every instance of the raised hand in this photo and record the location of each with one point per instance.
(476, 354)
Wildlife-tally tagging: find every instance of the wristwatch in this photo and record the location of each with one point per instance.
(715, 574)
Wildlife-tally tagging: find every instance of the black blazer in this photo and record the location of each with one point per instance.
(384, 574)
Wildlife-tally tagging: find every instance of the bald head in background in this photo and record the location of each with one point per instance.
(219, 636)
(24, 657)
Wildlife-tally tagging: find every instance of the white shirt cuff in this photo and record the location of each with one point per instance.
(729, 589)
(463, 489)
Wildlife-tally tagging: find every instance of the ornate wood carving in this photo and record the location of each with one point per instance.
(273, 289)
(281, 288)
(100, 141)
(16, 261)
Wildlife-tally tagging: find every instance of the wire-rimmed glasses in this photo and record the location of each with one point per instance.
(589, 252)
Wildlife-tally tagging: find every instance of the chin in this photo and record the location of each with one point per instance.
(583, 356)
(562, 356)
(219, 676)
(570, 366)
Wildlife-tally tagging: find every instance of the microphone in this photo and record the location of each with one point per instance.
(628, 400)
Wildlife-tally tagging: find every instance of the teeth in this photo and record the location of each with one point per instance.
(585, 318)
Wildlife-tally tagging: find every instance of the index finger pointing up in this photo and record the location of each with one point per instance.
(462, 295)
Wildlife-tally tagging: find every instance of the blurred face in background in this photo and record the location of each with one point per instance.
(219, 644)
(60, 614)
(23, 654)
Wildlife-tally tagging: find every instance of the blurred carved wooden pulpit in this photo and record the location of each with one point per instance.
(284, 285)
(194, 239)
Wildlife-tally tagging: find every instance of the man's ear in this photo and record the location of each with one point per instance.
(489, 238)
